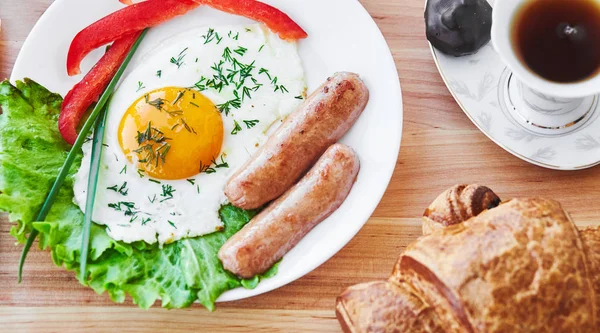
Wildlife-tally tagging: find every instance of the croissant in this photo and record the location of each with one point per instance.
(458, 204)
(522, 266)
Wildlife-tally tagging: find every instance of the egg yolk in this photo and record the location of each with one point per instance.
(171, 133)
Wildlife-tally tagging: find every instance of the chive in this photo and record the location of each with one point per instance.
(74, 152)
(95, 163)
(91, 191)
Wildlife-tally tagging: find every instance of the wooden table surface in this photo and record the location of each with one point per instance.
(440, 147)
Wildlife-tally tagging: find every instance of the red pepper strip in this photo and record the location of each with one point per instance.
(273, 18)
(86, 92)
(126, 2)
(130, 19)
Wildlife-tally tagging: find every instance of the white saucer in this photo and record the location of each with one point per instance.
(479, 82)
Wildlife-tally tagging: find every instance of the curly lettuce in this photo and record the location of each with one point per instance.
(31, 154)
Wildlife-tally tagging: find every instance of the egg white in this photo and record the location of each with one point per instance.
(193, 210)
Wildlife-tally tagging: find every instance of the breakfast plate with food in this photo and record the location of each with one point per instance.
(215, 150)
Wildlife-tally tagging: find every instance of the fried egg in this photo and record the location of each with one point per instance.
(186, 118)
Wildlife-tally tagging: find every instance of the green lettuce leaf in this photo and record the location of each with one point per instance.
(31, 154)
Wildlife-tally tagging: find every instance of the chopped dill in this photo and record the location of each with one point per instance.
(179, 60)
(250, 123)
(157, 103)
(123, 190)
(237, 128)
(140, 86)
(128, 208)
(246, 92)
(167, 192)
(265, 71)
(210, 36)
(147, 142)
(227, 54)
(241, 51)
(179, 96)
(222, 164)
(206, 168)
(226, 107)
(281, 88)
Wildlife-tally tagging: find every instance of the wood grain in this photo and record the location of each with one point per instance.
(440, 147)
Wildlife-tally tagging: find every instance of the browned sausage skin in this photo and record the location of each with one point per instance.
(327, 114)
(278, 228)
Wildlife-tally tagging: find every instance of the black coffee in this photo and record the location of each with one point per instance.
(559, 39)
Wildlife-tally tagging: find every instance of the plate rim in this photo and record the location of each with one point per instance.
(381, 188)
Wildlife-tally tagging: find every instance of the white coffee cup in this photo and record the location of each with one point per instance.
(547, 107)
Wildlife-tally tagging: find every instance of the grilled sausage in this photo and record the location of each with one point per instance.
(278, 228)
(321, 121)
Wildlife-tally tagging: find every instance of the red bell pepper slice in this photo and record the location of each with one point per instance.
(130, 19)
(276, 20)
(126, 2)
(86, 92)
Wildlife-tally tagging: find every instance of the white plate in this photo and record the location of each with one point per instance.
(478, 83)
(347, 40)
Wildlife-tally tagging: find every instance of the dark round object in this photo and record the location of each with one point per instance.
(458, 27)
